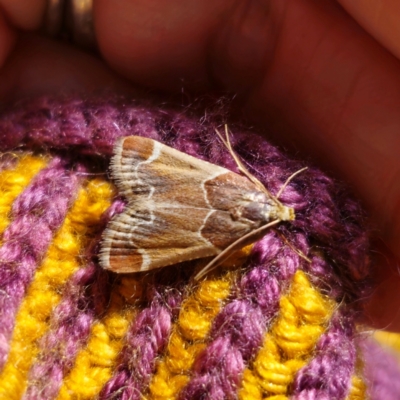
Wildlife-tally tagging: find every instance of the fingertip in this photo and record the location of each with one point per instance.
(378, 17)
(156, 43)
(54, 68)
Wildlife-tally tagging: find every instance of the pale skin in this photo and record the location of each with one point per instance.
(321, 77)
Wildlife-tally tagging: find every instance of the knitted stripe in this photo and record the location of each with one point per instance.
(91, 125)
(31, 322)
(94, 364)
(238, 330)
(66, 272)
(328, 375)
(191, 330)
(303, 316)
(144, 342)
(42, 296)
(13, 182)
(41, 208)
(188, 337)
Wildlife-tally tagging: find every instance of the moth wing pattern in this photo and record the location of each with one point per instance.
(179, 207)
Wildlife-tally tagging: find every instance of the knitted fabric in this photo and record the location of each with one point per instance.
(278, 320)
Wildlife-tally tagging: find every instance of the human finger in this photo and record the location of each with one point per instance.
(380, 18)
(40, 66)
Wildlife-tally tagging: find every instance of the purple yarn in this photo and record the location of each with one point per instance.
(216, 373)
(69, 330)
(36, 214)
(382, 371)
(328, 375)
(90, 126)
(336, 230)
(145, 340)
(238, 330)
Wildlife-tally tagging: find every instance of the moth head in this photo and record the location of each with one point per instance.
(282, 212)
(285, 213)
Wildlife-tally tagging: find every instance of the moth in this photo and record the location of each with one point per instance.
(181, 208)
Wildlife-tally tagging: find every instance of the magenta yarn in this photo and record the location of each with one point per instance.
(69, 331)
(328, 375)
(41, 208)
(145, 341)
(382, 371)
(329, 229)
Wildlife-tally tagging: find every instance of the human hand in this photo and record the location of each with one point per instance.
(304, 70)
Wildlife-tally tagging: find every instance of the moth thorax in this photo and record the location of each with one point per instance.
(262, 208)
(255, 207)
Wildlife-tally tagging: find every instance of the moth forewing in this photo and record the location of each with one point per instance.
(179, 208)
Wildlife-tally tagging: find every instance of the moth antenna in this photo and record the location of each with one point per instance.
(283, 187)
(241, 166)
(221, 257)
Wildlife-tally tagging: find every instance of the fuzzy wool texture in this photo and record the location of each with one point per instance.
(279, 326)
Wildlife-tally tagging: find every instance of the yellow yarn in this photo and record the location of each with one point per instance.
(188, 337)
(95, 364)
(358, 390)
(303, 316)
(14, 181)
(63, 258)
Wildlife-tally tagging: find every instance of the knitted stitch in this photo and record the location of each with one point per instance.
(303, 316)
(93, 364)
(44, 293)
(188, 337)
(40, 208)
(73, 315)
(278, 324)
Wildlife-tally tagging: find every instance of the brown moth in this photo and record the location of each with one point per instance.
(181, 208)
